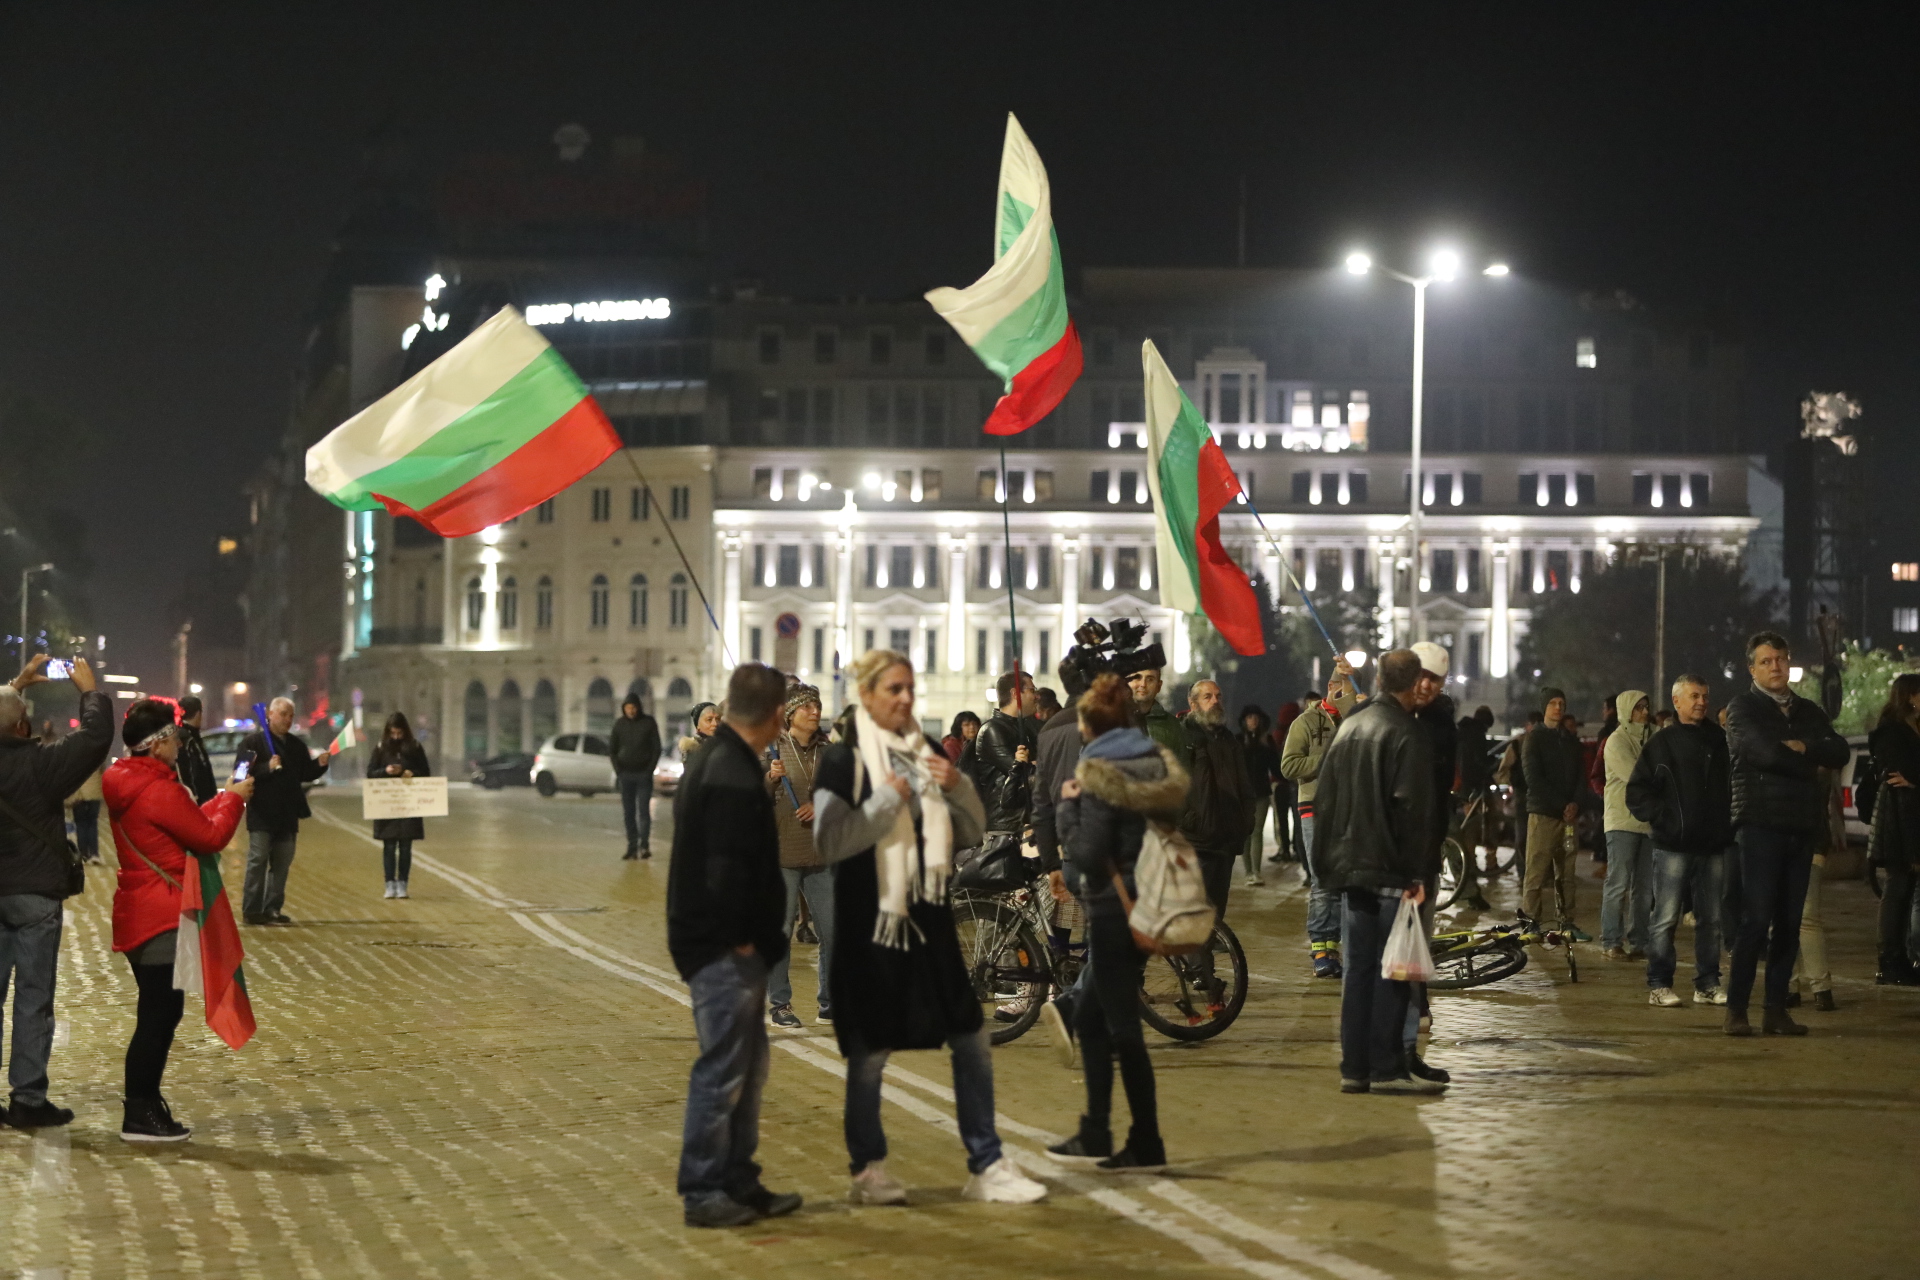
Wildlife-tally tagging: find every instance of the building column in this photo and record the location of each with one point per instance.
(1069, 592)
(1384, 551)
(1499, 629)
(957, 604)
(843, 591)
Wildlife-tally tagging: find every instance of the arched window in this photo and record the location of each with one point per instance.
(543, 604)
(476, 717)
(637, 601)
(510, 606)
(599, 706)
(678, 688)
(476, 604)
(677, 602)
(597, 601)
(546, 712)
(509, 715)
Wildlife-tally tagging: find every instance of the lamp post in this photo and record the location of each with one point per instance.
(26, 573)
(1443, 266)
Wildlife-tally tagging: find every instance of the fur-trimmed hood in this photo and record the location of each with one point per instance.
(1154, 785)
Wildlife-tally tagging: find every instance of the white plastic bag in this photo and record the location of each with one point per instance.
(1406, 958)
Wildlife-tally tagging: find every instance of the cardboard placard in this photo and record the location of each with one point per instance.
(403, 798)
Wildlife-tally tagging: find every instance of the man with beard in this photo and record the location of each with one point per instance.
(1219, 801)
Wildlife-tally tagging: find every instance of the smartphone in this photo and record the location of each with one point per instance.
(241, 769)
(57, 669)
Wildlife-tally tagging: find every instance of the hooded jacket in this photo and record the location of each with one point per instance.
(154, 815)
(1621, 752)
(1775, 786)
(636, 741)
(1307, 741)
(1125, 779)
(1374, 810)
(1680, 789)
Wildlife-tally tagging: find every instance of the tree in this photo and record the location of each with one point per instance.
(1865, 677)
(1599, 642)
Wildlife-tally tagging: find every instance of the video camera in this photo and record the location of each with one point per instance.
(1116, 649)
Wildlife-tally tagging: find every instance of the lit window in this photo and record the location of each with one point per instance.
(1906, 571)
(1584, 356)
(1906, 620)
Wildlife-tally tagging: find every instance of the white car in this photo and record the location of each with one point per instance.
(222, 745)
(580, 762)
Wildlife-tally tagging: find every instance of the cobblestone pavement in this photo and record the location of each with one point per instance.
(487, 1080)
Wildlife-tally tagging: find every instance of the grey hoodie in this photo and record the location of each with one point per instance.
(1622, 752)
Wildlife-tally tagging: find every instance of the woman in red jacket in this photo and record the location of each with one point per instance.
(155, 826)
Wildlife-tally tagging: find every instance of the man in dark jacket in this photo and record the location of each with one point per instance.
(636, 750)
(281, 766)
(725, 900)
(1777, 742)
(1057, 754)
(1263, 771)
(1003, 755)
(36, 873)
(1475, 766)
(1373, 825)
(1556, 777)
(1219, 801)
(1680, 787)
(192, 764)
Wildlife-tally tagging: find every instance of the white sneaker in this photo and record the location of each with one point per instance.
(399, 888)
(1663, 998)
(1253, 882)
(874, 1185)
(1001, 1183)
(1712, 995)
(389, 893)
(1065, 1047)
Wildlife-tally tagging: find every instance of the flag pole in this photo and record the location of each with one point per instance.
(1006, 539)
(1288, 570)
(692, 577)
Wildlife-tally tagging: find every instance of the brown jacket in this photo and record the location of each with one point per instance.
(796, 840)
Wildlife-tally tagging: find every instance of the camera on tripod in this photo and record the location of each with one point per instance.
(1114, 648)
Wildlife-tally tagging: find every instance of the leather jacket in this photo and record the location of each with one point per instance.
(1219, 812)
(1373, 812)
(1006, 785)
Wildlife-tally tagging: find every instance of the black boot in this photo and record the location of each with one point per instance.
(1778, 1022)
(1823, 1001)
(150, 1120)
(1737, 1024)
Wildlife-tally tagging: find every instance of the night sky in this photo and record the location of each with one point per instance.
(173, 174)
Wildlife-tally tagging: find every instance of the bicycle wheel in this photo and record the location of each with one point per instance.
(1453, 872)
(1006, 963)
(1187, 997)
(1476, 966)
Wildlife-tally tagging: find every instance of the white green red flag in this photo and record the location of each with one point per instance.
(1192, 482)
(207, 954)
(1015, 316)
(496, 425)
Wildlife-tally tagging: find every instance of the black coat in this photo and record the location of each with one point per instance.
(636, 744)
(1896, 810)
(1055, 757)
(1006, 785)
(279, 795)
(193, 766)
(1471, 752)
(1373, 811)
(36, 778)
(1556, 770)
(1775, 786)
(724, 887)
(1219, 813)
(884, 997)
(1443, 739)
(411, 757)
(1680, 786)
(1263, 762)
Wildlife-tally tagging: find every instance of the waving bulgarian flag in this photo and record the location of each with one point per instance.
(1015, 316)
(496, 425)
(1191, 483)
(207, 954)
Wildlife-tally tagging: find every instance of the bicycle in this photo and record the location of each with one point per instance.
(1007, 945)
(1476, 957)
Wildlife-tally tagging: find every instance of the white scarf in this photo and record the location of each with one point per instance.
(908, 870)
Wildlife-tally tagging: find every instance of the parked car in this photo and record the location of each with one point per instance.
(515, 769)
(666, 774)
(1849, 806)
(580, 762)
(222, 745)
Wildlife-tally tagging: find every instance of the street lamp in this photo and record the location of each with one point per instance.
(1444, 265)
(26, 573)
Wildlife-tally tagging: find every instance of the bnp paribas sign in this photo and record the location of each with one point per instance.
(554, 313)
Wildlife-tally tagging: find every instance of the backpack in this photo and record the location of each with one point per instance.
(1172, 915)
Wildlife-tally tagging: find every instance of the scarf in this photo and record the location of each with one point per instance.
(1784, 699)
(909, 870)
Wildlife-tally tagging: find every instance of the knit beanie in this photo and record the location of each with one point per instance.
(1548, 693)
(798, 696)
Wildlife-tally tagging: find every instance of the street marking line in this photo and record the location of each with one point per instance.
(1210, 1248)
(1289, 1247)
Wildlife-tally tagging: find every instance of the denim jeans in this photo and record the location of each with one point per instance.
(723, 1092)
(396, 858)
(1626, 900)
(636, 806)
(86, 828)
(1257, 840)
(1373, 1009)
(30, 925)
(972, 1055)
(817, 884)
(1673, 873)
(264, 892)
(1773, 887)
(1323, 904)
(1109, 1028)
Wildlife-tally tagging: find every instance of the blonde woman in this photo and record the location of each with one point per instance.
(889, 810)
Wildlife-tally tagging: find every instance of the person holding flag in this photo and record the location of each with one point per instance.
(156, 825)
(282, 765)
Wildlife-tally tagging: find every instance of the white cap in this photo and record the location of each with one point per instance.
(1434, 660)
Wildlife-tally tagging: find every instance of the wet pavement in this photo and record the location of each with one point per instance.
(487, 1079)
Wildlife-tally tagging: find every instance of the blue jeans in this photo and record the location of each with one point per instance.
(972, 1097)
(1704, 874)
(1774, 866)
(86, 828)
(1323, 905)
(1629, 887)
(817, 884)
(264, 892)
(1373, 1009)
(30, 925)
(723, 1093)
(636, 806)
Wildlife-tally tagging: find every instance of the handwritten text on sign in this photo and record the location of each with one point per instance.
(404, 798)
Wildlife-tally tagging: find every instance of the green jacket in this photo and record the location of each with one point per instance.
(1165, 728)
(1307, 740)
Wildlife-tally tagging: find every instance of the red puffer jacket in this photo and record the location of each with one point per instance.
(153, 813)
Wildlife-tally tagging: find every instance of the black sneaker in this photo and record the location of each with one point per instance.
(1419, 1069)
(645, 853)
(151, 1120)
(37, 1115)
(1083, 1148)
(1126, 1161)
(783, 1017)
(720, 1211)
(1353, 1086)
(254, 920)
(279, 919)
(631, 855)
(771, 1204)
